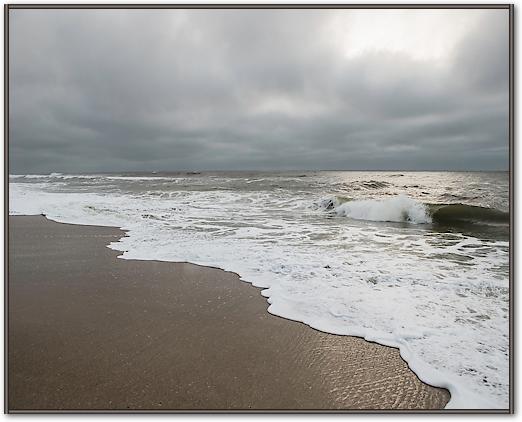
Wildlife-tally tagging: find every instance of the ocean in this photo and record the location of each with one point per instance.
(413, 260)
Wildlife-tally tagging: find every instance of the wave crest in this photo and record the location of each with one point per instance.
(400, 208)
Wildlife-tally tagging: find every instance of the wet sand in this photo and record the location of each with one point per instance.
(88, 331)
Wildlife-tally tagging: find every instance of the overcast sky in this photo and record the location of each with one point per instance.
(149, 90)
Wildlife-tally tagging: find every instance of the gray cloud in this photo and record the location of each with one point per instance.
(99, 90)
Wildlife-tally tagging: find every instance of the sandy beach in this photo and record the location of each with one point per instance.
(88, 331)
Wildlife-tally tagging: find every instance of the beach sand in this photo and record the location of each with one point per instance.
(88, 331)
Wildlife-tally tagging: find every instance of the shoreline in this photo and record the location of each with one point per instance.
(380, 378)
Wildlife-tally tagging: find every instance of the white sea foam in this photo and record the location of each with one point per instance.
(399, 209)
(440, 298)
(76, 176)
(138, 178)
(36, 176)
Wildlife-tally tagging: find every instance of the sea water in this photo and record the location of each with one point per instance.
(413, 260)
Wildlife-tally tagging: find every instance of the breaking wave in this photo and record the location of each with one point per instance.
(402, 208)
(397, 209)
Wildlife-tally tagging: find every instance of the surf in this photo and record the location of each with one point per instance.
(410, 283)
(404, 209)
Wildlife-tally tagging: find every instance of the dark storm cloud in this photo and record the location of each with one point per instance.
(157, 90)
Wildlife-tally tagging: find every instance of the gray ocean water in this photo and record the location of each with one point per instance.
(416, 260)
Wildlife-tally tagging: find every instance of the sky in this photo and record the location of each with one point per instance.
(173, 90)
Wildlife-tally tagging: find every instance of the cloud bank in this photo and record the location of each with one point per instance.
(150, 90)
